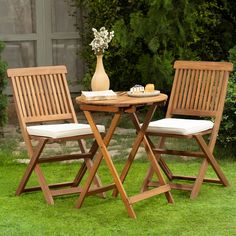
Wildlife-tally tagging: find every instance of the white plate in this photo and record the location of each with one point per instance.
(145, 94)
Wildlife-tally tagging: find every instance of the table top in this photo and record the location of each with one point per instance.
(123, 100)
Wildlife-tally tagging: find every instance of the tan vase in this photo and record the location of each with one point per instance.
(100, 80)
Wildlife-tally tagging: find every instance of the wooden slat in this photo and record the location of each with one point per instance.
(198, 89)
(208, 85)
(64, 96)
(51, 186)
(54, 95)
(56, 117)
(202, 91)
(19, 96)
(28, 95)
(33, 95)
(210, 96)
(181, 89)
(64, 157)
(177, 152)
(43, 70)
(218, 91)
(68, 100)
(193, 178)
(149, 193)
(42, 95)
(174, 96)
(37, 95)
(66, 191)
(185, 187)
(59, 94)
(98, 108)
(203, 65)
(194, 91)
(50, 94)
(186, 90)
(102, 189)
(214, 90)
(192, 112)
(46, 95)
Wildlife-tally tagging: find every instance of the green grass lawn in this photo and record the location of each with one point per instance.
(212, 213)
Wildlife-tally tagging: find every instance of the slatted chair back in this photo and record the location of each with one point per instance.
(199, 88)
(41, 94)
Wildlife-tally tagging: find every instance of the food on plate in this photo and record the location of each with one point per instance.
(137, 89)
(149, 88)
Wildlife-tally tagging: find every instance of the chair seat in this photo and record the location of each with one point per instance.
(62, 130)
(179, 126)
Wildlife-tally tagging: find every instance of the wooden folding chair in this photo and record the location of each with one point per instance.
(46, 114)
(198, 91)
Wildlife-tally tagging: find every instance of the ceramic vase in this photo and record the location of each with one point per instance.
(100, 80)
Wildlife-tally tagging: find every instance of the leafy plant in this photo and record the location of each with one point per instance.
(227, 134)
(151, 34)
(3, 97)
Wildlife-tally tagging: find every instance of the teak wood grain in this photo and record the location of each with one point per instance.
(42, 96)
(123, 104)
(199, 90)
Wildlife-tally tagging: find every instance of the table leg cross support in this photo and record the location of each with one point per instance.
(141, 137)
(118, 181)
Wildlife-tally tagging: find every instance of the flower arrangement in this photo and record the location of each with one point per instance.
(101, 40)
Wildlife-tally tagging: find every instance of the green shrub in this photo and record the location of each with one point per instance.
(3, 82)
(227, 134)
(151, 34)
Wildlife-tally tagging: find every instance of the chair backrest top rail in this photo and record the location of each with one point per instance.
(203, 65)
(42, 70)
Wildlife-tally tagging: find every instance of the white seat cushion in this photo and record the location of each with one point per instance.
(179, 126)
(62, 130)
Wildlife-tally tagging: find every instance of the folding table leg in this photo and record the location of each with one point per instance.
(87, 165)
(141, 137)
(136, 144)
(104, 153)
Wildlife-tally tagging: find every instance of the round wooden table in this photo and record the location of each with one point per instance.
(123, 104)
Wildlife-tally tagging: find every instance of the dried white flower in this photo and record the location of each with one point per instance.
(101, 40)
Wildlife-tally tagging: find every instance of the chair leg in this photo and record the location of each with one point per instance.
(89, 180)
(44, 186)
(199, 179)
(79, 175)
(87, 165)
(31, 166)
(162, 164)
(97, 181)
(212, 160)
(83, 168)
